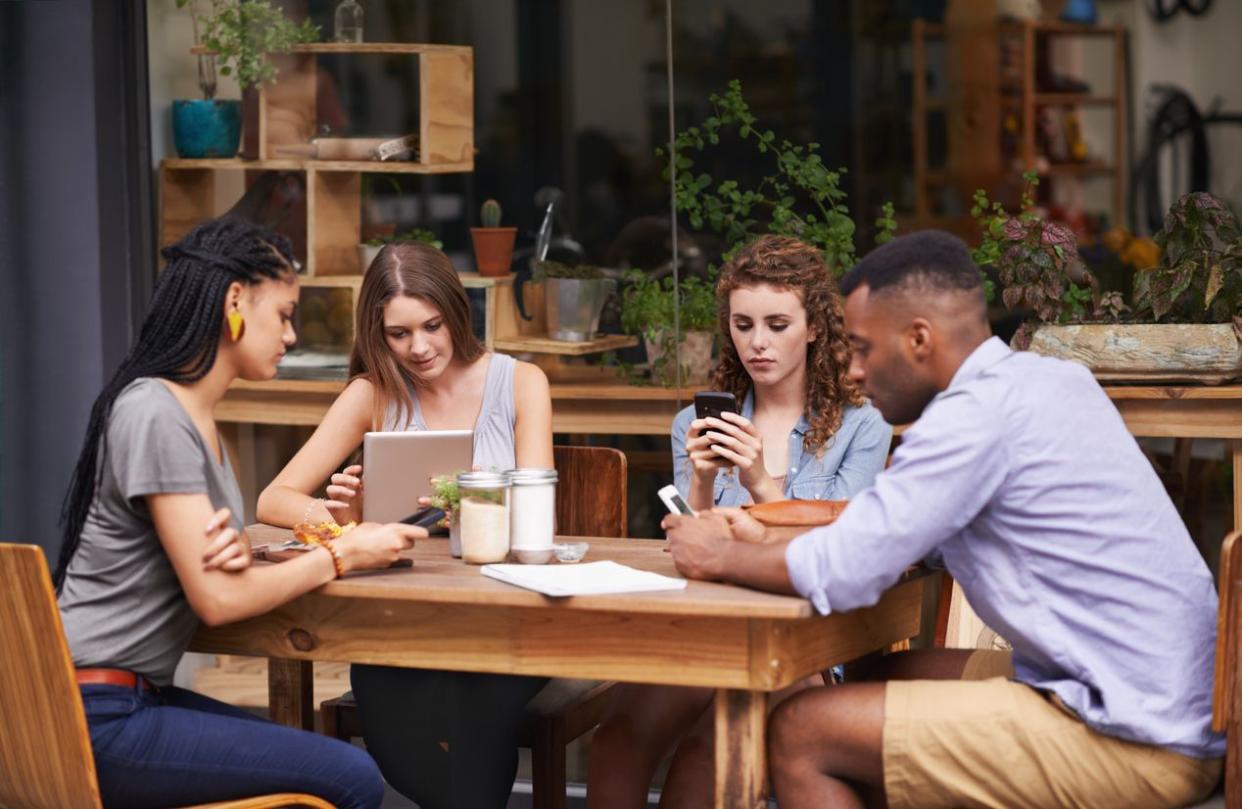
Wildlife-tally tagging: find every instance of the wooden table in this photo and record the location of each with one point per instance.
(583, 408)
(1188, 412)
(444, 614)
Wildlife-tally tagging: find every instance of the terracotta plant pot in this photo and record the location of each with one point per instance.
(493, 250)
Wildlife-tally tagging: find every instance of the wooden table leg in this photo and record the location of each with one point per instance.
(291, 692)
(1237, 483)
(741, 756)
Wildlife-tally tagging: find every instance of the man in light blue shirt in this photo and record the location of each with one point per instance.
(1020, 476)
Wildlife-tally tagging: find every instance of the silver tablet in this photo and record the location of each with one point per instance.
(397, 468)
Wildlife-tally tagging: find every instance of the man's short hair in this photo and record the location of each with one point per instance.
(930, 260)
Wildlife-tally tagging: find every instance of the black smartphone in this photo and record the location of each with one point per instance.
(713, 403)
(428, 517)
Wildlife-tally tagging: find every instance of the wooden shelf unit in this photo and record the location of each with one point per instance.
(1026, 100)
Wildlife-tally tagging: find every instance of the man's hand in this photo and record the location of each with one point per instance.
(698, 544)
(728, 545)
(744, 527)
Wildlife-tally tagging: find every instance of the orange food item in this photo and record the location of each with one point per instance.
(313, 533)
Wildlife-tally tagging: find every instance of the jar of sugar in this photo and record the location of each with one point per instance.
(484, 516)
(532, 512)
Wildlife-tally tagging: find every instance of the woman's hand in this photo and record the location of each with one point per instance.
(703, 459)
(733, 438)
(344, 501)
(227, 549)
(371, 545)
(425, 502)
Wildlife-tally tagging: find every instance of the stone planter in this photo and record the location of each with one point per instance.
(1168, 352)
(695, 354)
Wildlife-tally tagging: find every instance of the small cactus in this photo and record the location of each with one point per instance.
(490, 214)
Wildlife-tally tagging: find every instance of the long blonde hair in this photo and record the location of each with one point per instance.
(419, 271)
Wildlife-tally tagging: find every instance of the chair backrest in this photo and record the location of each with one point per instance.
(591, 491)
(45, 749)
(1227, 696)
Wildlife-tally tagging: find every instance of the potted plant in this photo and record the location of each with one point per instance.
(238, 34)
(648, 308)
(447, 497)
(574, 297)
(493, 245)
(368, 250)
(1184, 324)
(800, 197)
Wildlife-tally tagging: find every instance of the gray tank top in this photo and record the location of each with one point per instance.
(493, 429)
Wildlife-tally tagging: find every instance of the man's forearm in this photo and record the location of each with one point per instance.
(761, 566)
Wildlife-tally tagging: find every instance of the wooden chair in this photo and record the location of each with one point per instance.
(1227, 695)
(590, 501)
(45, 749)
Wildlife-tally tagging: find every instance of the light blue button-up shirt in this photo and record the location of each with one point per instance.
(849, 463)
(1023, 478)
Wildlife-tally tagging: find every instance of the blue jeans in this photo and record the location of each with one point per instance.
(173, 747)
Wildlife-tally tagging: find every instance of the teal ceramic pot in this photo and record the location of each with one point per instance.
(1079, 11)
(203, 128)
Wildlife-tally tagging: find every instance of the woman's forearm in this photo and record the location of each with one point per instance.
(286, 506)
(233, 597)
(702, 493)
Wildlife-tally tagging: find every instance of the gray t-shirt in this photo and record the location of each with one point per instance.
(121, 602)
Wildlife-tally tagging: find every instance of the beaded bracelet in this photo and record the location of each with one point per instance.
(336, 557)
(306, 517)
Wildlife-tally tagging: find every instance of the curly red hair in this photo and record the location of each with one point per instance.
(786, 263)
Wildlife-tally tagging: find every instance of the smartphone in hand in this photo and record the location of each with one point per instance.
(675, 503)
(428, 517)
(711, 403)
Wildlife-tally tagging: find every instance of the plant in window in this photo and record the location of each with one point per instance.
(648, 308)
(238, 34)
(241, 33)
(800, 197)
(413, 235)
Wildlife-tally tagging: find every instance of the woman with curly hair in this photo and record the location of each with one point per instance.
(804, 432)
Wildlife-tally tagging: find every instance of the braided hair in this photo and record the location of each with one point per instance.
(178, 340)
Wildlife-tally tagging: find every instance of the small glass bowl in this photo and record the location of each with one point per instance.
(569, 552)
(532, 556)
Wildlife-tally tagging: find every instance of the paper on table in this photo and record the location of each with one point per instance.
(593, 578)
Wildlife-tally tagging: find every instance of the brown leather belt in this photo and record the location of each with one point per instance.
(125, 679)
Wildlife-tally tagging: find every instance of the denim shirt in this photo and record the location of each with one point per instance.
(854, 455)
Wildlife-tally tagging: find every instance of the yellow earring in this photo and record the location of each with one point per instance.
(237, 324)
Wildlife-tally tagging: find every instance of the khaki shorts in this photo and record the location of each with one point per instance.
(998, 743)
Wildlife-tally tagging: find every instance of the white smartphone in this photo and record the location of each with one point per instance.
(674, 501)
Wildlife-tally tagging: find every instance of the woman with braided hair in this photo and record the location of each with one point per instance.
(153, 543)
(804, 432)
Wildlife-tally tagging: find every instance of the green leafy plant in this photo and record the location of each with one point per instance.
(801, 197)
(489, 214)
(648, 309)
(1038, 264)
(647, 304)
(1198, 278)
(241, 33)
(555, 269)
(413, 235)
(444, 493)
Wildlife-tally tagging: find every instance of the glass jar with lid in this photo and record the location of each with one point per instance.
(532, 512)
(484, 516)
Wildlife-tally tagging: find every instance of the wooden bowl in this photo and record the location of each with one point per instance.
(797, 513)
